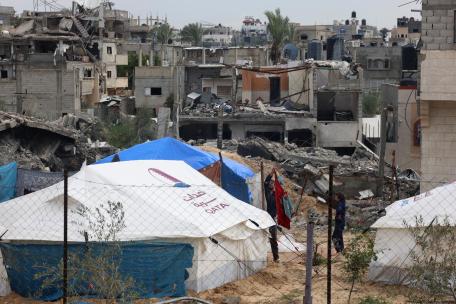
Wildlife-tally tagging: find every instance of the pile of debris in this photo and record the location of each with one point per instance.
(352, 174)
(206, 105)
(49, 146)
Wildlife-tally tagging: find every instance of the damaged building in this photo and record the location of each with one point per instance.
(310, 104)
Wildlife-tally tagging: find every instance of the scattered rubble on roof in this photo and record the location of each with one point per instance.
(51, 146)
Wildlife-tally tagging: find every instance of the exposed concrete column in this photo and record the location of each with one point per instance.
(151, 56)
(140, 62)
(204, 55)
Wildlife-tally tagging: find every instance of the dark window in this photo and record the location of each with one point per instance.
(109, 74)
(88, 73)
(109, 50)
(4, 74)
(454, 27)
(417, 133)
(152, 91)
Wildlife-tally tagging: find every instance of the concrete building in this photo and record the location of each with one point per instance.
(380, 65)
(438, 93)
(407, 30)
(110, 59)
(6, 17)
(217, 36)
(251, 56)
(312, 106)
(155, 86)
(253, 32)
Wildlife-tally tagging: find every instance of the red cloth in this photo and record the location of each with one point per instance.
(282, 218)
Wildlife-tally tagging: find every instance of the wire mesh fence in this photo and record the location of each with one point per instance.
(157, 232)
(150, 230)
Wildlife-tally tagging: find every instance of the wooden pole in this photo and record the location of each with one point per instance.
(262, 187)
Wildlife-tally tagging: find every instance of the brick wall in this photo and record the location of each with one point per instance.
(438, 24)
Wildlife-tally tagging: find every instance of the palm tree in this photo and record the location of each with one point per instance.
(281, 31)
(163, 34)
(193, 33)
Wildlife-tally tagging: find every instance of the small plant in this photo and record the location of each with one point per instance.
(358, 255)
(95, 268)
(373, 300)
(433, 269)
(371, 104)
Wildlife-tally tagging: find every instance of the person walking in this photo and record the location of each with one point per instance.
(269, 191)
(338, 234)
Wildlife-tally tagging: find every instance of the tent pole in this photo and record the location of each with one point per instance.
(65, 236)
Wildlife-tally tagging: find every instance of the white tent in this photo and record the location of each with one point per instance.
(394, 242)
(163, 200)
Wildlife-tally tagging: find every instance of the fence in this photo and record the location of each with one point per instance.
(110, 236)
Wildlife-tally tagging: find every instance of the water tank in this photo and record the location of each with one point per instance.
(409, 58)
(335, 48)
(315, 50)
(290, 51)
(364, 22)
(347, 22)
(353, 14)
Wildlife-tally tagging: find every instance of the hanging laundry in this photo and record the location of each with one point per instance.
(282, 219)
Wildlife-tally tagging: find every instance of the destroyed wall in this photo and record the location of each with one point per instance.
(48, 92)
(195, 74)
(258, 85)
(238, 55)
(407, 145)
(438, 92)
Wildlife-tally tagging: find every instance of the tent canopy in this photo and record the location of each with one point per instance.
(234, 174)
(435, 205)
(161, 199)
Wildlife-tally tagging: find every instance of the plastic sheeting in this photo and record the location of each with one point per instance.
(4, 284)
(234, 174)
(158, 269)
(8, 176)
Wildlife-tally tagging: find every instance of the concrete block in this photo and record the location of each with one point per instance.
(439, 26)
(433, 19)
(440, 40)
(427, 13)
(426, 26)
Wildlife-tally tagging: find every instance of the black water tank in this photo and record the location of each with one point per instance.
(353, 14)
(409, 58)
(315, 50)
(364, 22)
(347, 22)
(335, 48)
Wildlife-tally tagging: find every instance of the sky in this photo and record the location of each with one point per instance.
(381, 13)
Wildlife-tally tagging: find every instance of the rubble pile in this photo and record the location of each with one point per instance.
(49, 146)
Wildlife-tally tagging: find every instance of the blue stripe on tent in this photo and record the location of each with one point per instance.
(234, 176)
(8, 176)
(158, 269)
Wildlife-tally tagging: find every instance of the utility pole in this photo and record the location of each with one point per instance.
(329, 253)
(234, 89)
(381, 165)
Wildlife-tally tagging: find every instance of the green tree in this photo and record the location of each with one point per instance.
(371, 104)
(193, 33)
(163, 34)
(281, 31)
(129, 70)
(358, 255)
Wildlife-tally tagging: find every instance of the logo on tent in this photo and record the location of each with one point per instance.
(176, 182)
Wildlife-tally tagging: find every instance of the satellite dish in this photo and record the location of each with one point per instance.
(290, 51)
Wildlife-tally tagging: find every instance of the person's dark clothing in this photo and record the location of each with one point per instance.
(272, 210)
(274, 244)
(270, 197)
(338, 234)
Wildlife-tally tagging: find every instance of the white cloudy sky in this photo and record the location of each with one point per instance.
(231, 12)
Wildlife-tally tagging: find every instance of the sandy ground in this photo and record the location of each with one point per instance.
(284, 282)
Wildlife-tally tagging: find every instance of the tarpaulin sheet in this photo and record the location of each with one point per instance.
(8, 176)
(234, 176)
(158, 269)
